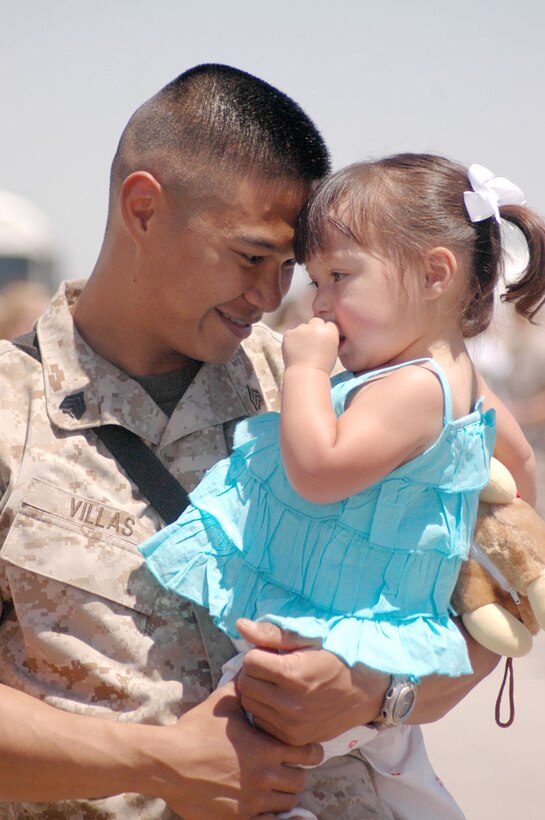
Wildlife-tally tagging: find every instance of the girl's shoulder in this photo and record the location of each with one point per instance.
(410, 377)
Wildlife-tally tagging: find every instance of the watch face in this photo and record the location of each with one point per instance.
(404, 703)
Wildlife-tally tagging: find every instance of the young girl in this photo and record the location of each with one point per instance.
(346, 517)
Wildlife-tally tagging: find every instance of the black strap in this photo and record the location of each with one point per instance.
(508, 678)
(140, 463)
(149, 474)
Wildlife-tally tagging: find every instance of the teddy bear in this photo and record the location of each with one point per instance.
(500, 592)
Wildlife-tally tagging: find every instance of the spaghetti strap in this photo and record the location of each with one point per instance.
(447, 393)
(357, 381)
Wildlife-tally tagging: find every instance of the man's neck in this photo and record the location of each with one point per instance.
(167, 389)
(108, 321)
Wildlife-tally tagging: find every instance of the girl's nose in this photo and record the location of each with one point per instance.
(320, 305)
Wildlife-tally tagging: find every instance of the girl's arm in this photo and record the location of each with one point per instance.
(390, 420)
(512, 447)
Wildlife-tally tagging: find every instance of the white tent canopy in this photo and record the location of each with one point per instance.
(24, 229)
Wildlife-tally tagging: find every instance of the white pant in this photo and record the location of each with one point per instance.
(404, 776)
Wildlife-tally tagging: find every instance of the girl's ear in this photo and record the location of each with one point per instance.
(440, 270)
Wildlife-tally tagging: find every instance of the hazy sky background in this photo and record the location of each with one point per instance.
(463, 78)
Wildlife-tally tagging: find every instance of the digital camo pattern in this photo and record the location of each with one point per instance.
(93, 633)
(343, 788)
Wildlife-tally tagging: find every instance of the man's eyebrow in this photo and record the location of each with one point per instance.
(260, 242)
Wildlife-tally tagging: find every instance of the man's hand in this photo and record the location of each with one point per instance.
(210, 765)
(305, 695)
(217, 765)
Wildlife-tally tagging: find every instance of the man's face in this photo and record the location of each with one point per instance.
(207, 275)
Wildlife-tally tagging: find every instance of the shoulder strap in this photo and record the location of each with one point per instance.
(345, 387)
(148, 473)
(140, 463)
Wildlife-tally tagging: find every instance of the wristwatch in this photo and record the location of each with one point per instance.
(399, 701)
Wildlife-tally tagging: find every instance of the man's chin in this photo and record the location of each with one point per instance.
(222, 356)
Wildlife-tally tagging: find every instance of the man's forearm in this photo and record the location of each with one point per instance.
(210, 765)
(438, 694)
(70, 756)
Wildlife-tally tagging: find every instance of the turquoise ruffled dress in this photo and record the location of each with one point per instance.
(371, 576)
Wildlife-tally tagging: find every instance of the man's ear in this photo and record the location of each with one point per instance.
(139, 199)
(440, 269)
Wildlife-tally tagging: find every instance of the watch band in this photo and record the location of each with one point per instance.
(399, 701)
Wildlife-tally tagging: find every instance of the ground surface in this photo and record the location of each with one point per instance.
(496, 774)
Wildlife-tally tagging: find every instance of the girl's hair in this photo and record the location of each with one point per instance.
(404, 205)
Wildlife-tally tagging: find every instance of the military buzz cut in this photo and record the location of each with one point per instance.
(217, 118)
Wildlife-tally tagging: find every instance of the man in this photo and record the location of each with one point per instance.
(105, 704)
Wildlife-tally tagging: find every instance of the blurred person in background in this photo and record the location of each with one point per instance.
(27, 264)
(21, 302)
(27, 248)
(511, 356)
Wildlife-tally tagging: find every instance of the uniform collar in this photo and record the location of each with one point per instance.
(84, 390)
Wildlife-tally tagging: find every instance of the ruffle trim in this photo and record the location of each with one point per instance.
(219, 557)
(325, 561)
(219, 579)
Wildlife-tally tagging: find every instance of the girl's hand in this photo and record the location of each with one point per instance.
(313, 344)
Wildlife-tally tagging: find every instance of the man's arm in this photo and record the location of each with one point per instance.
(210, 765)
(438, 694)
(310, 695)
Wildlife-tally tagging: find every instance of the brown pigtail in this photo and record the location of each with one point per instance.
(487, 263)
(528, 291)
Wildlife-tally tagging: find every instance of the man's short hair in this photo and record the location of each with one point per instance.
(217, 118)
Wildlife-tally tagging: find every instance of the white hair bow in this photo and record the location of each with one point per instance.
(489, 192)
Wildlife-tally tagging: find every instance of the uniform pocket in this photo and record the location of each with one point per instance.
(89, 628)
(77, 541)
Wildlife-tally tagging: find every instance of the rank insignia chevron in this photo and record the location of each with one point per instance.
(74, 405)
(255, 397)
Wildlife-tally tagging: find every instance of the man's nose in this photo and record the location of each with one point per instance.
(270, 287)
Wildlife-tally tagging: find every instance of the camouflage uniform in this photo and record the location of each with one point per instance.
(83, 626)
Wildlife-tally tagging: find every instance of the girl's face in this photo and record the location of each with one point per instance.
(378, 310)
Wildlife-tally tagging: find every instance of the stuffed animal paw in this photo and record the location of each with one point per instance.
(500, 592)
